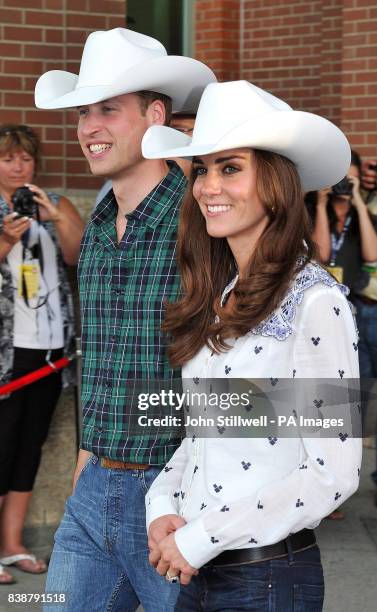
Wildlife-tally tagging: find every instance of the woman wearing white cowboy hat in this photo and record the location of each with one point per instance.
(255, 305)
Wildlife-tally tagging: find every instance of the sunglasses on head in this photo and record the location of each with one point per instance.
(20, 129)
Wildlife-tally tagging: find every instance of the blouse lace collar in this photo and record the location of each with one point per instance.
(278, 324)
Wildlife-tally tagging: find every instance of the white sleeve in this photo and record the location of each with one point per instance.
(163, 496)
(332, 465)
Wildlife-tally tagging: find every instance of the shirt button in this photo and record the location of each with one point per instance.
(108, 383)
(112, 338)
(98, 429)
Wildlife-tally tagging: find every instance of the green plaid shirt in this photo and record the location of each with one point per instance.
(123, 288)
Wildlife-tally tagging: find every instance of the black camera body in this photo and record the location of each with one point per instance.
(24, 203)
(344, 187)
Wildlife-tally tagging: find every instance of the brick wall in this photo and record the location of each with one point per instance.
(217, 36)
(40, 35)
(320, 56)
(282, 49)
(359, 75)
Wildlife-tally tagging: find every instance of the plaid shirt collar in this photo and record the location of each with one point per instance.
(152, 208)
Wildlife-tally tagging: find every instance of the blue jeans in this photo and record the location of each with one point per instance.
(292, 584)
(100, 557)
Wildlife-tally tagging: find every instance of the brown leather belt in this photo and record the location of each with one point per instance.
(121, 465)
(297, 542)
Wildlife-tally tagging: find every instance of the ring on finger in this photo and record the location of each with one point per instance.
(171, 579)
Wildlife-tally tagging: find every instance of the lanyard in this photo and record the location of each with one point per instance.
(337, 243)
(36, 253)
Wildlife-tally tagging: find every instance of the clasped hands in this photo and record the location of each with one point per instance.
(164, 553)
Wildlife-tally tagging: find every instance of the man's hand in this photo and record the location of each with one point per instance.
(167, 557)
(369, 174)
(162, 527)
(82, 459)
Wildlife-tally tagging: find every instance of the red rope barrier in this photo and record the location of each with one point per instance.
(13, 385)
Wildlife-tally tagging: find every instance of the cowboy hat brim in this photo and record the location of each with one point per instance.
(170, 75)
(317, 147)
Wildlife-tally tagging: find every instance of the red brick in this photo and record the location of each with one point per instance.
(41, 18)
(76, 37)
(42, 117)
(18, 99)
(10, 50)
(8, 82)
(23, 67)
(21, 34)
(53, 133)
(54, 52)
(364, 77)
(355, 14)
(22, 4)
(74, 52)
(52, 165)
(51, 181)
(53, 36)
(74, 150)
(105, 6)
(10, 16)
(77, 166)
(53, 149)
(54, 4)
(11, 116)
(82, 20)
(84, 182)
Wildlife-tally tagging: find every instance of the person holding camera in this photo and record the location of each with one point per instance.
(345, 232)
(40, 232)
(368, 293)
(343, 228)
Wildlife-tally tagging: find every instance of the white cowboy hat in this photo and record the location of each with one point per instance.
(121, 61)
(238, 114)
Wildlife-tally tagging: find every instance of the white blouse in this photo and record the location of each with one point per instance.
(251, 492)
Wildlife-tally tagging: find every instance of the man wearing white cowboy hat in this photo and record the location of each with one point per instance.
(127, 271)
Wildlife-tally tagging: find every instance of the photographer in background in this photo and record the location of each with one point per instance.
(368, 331)
(345, 232)
(40, 232)
(343, 228)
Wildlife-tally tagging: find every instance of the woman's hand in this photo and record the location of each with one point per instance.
(356, 199)
(167, 557)
(68, 223)
(13, 228)
(47, 210)
(323, 197)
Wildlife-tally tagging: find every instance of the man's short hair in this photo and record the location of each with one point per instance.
(147, 97)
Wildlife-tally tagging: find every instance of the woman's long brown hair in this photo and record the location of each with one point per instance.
(206, 264)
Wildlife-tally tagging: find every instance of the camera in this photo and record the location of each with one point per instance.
(344, 187)
(23, 202)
